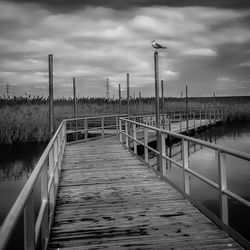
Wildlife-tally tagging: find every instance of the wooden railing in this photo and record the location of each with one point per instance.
(81, 129)
(210, 116)
(129, 131)
(46, 174)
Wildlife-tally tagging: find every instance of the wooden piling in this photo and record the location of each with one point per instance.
(74, 93)
(75, 105)
(163, 104)
(51, 102)
(140, 107)
(119, 93)
(157, 101)
(187, 108)
(128, 96)
(157, 106)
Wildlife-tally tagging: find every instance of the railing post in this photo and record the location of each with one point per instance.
(51, 162)
(159, 149)
(29, 223)
(44, 198)
(145, 134)
(205, 118)
(134, 137)
(117, 124)
(102, 121)
(185, 166)
(222, 186)
(200, 117)
(85, 128)
(169, 123)
(126, 133)
(209, 116)
(51, 175)
(55, 152)
(163, 152)
(180, 122)
(194, 119)
(120, 130)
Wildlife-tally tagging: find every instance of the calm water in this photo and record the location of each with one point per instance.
(16, 165)
(203, 160)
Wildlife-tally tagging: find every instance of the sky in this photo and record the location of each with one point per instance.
(208, 46)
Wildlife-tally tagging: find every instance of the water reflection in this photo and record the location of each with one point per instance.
(16, 165)
(204, 161)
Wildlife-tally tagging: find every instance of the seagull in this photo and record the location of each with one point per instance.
(157, 45)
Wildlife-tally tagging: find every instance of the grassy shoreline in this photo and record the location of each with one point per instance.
(26, 120)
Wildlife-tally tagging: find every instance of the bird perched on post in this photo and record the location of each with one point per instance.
(157, 45)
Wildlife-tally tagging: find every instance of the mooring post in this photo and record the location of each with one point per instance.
(186, 108)
(140, 108)
(75, 107)
(163, 104)
(128, 108)
(157, 106)
(51, 102)
(157, 101)
(128, 96)
(120, 98)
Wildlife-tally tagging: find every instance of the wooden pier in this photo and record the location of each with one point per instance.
(98, 193)
(108, 199)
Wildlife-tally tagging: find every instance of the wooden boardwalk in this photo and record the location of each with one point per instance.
(177, 127)
(108, 199)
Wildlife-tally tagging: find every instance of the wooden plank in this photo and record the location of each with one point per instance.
(107, 199)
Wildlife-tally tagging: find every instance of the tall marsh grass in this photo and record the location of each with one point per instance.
(26, 119)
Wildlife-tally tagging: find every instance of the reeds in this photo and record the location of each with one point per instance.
(26, 119)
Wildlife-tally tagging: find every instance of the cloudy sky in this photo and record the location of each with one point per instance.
(208, 46)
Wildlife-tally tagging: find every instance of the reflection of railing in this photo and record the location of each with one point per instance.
(221, 153)
(46, 172)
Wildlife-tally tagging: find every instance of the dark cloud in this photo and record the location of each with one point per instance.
(69, 5)
(206, 46)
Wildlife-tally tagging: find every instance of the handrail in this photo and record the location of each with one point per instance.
(94, 117)
(130, 133)
(224, 149)
(81, 127)
(47, 167)
(205, 116)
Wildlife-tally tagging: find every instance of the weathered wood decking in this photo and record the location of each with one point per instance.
(107, 199)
